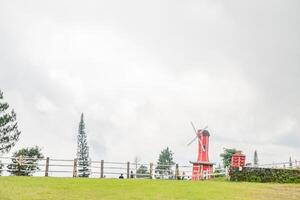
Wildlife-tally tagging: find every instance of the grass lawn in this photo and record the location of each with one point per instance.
(42, 188)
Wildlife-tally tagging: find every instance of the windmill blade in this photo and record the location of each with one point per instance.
(194, 137)
(192, 141)
(201, 144)
(194, 127)
(197, 136)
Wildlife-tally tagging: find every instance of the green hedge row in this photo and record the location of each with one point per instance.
(264, 175)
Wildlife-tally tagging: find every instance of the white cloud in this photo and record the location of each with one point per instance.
(44, 105)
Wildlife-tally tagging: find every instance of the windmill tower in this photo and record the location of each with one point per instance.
(202, 168)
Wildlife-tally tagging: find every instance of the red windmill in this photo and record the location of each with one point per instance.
(202, 168)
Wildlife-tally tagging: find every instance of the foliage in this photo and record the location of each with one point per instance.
(82, 150)
(9, 133)
(226, 156)
(142, 172)
(25, 161)
(136, 161)
(164, 162)
(41, 188)
(263, 175)
(1, 166)
(255, 159)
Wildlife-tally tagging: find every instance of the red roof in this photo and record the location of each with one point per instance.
(238, 153)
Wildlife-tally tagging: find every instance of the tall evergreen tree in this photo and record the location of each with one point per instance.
(165, 160)
(290, 162)
(82, 150)
(255, 159)
(9, 133)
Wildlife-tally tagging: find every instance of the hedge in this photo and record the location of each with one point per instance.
(264, 175)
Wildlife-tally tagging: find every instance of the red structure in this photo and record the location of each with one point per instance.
(238, 160)
(202, 168)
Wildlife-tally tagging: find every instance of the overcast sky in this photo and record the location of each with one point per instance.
(142, 70)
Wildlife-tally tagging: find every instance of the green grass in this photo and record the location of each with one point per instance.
(42, 188)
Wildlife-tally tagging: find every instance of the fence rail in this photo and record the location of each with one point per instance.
(108, 169)
(97, 169)
(280, 165)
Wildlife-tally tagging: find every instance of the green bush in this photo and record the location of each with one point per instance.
(264, 175)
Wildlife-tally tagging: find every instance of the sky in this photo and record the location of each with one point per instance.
(140, 71)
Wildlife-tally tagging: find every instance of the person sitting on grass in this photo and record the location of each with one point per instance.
(121, 176)
(131, 174)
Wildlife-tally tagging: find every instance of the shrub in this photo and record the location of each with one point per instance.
(142, 172)
(25, 161)
(264, 175)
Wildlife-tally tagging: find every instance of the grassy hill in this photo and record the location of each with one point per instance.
(42, 188)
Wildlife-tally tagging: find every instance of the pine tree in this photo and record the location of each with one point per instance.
(142, 172)
(25, 161)
(165, 161)
(290, 163)
(9, 133)
(136, 161)
(255, 159)
(82, 150)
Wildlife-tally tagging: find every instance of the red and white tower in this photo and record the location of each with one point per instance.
(202, 168)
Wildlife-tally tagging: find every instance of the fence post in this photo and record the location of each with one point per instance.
(47, 166)
(75, 168)
(128, 168)
(101, 169)
(226, 172)
(151, 170)
(177, 172)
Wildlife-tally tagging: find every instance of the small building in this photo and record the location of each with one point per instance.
(238, 160)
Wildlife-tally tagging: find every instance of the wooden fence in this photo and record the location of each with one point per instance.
(106, 169)
(280, 165)
(98, 169)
